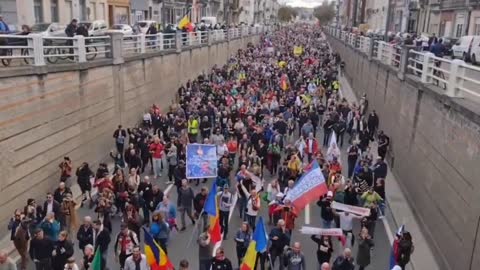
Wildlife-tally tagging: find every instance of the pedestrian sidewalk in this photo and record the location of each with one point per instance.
(400, 211)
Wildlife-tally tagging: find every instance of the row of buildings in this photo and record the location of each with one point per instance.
(29, 12)
(445, 18)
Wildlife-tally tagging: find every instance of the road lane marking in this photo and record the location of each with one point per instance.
(307, 214)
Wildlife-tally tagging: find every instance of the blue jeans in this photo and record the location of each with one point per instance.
(327, 224)
(157, 167)
(242, 204)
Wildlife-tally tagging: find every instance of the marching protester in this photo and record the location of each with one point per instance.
(248, 110)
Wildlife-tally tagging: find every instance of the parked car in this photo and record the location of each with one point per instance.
(461, 49)
(121, 28)
(49, 29)
(144, 25)
(448, 43)
(475, 51)
(96, 28)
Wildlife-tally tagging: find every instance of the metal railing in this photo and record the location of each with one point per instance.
(39, 50)
(455, 77)
(389, 54)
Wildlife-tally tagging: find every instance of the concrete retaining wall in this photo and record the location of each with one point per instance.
(435, 154)
(74, 111)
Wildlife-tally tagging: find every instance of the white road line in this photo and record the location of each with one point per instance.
(167, 190)
(387, 230)
(307, 214)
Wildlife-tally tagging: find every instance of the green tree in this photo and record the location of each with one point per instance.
(286, 14)
(325, 12)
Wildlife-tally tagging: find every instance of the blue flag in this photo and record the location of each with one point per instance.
(260, 236)
(210, 206)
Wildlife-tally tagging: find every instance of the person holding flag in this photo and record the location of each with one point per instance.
(258, 244)
(211, 208)
(156, 257)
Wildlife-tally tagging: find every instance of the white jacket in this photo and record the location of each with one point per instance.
(130, 264)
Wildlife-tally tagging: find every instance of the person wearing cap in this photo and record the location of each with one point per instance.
(126, 240)
(226, 199)
(326, 210)
(40, 251)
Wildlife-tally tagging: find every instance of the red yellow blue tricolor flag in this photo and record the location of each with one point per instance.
(211, 208)
(157, 259)
(258, 244)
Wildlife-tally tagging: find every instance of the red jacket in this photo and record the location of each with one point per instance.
(157, 149)
(314, 147)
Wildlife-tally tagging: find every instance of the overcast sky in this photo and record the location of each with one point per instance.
(303, 3)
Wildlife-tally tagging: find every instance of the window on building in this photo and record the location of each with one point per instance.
(92, 15)
(459, 30)
(69, 10)
(54, 10)
(476, 27)
(441, 31)
(38, 10)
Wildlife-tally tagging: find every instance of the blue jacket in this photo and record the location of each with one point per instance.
(51, 230)
(159, 231)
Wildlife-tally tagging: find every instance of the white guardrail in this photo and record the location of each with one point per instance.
(457, 78)
(38, 50)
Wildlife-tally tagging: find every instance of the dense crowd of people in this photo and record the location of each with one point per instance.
(265, 111)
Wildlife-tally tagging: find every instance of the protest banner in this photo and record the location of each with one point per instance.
(202, 161)
(361, 211)
(335, 232)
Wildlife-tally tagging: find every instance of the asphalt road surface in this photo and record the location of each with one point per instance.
(178, 248)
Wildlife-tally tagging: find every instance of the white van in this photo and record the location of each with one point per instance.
(144, 25)
(475, 50)
(462, 47)
(209, 21)
(95, 28)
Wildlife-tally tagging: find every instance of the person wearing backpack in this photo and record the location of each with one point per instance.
(126, 241)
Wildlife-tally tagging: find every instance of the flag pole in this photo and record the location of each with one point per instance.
(270, 260)
(195, 228)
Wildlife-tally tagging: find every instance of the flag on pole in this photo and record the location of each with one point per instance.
(333, 151)
(309, 188)
(211, 208)
(97, 260)
(257, 244)
(157, 259)
(393, 252)
(185, 21)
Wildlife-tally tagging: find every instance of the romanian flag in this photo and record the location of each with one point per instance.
(211, 208)
(156, 257)
(258, 244)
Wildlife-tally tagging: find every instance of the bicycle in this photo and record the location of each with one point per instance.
(439, 74)
(54, 54)
(9, 52)
(91, 52)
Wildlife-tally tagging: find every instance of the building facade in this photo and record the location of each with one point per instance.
(247, 12)
(30, 12)
(376, 14)
(118, 12)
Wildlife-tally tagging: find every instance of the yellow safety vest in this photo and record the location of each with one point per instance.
(193, 126)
